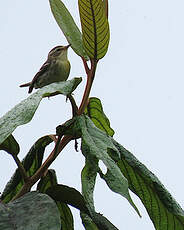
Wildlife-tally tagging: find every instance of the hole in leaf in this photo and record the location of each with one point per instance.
(102, 167)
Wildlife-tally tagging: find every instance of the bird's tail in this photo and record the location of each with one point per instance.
(25, 85)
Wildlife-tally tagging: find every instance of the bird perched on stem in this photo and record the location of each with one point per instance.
(55, 69)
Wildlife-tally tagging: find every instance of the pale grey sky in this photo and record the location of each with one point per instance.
(140, 82)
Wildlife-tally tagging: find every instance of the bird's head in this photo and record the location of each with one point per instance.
(59, 52)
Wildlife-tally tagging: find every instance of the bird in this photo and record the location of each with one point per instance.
(55, 69)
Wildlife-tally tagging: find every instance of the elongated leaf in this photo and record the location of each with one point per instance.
(10, 145)
(98, 222)
(88, 222)
(65, 215)
(95, 28)
(68, 195)
(31, 163)
(24, 111)
(32, 211)
(95, 111)
(48, 181)
(95, 143)
(88, 178)
(164, 211)
(67, 25)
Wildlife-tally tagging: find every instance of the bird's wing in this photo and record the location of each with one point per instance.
(42, 70)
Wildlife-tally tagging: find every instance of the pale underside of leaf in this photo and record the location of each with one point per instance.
(95, 143)
(25, 110)
(68, 26)
(31, 211)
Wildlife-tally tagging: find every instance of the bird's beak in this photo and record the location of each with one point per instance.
(66, 47)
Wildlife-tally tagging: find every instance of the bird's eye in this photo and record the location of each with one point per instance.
(55, 52)
(58, 50)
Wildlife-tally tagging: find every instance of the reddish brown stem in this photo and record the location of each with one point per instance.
(90, 78)
(27, 187)
(51, 157)
(85, 65)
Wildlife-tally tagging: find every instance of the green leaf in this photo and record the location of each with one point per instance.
(102, 222)
(67, 25)
(24, 111)
(95, 28)
(66, 216)
(94, 110)
(68, 128)
(67, 195)
(164, 211)
(10, 145)
(32, 211)
(88, 178)
(48, 181)
(88, 222)
(31, 163)
(98, 222)
(95, 143)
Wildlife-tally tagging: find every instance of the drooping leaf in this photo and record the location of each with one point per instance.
(88, 178)
(68, 128)
(88, 222)
(24, 111)
(69, 28)
(102, 222)
(164, 211)
(68, 195)
(94, 110)
(32, 211)
(10, 145)
(66, 216)
(31, 163)
(97, 222)
(48, 181)
(95, 28)
(95, 143)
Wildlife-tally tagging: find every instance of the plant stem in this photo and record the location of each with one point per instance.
(74, 105)
(85, 65)
(21, 168)
(90, 78)
(58, 147)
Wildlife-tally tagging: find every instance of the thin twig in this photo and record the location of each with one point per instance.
(40, 172)
(21, 168)
(74, 105)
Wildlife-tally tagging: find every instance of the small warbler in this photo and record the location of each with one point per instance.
(55, 69)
